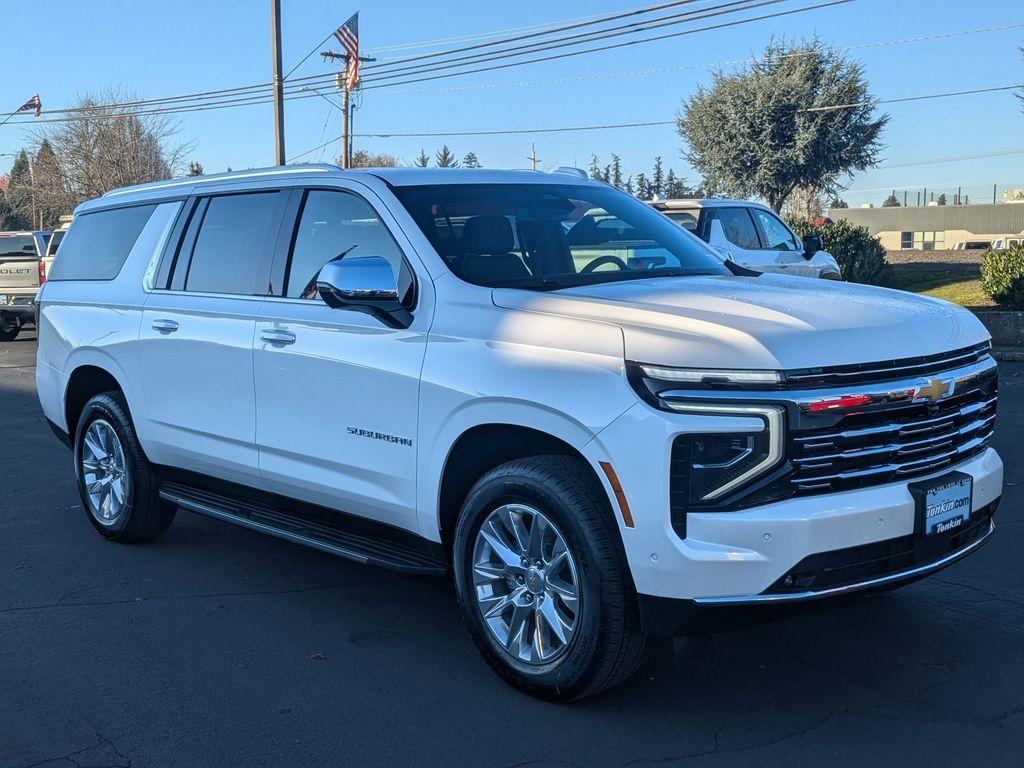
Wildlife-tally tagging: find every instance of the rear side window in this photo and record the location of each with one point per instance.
(230, 250)
(97, 244)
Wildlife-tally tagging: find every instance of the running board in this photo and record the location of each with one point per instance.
(328, 531)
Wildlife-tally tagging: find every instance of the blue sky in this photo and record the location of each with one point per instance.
(157, 49)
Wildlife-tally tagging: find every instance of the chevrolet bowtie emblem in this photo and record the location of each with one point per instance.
(934, 389)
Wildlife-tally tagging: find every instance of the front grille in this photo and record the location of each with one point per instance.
(886, 370)
(854, 565)
(893, 442)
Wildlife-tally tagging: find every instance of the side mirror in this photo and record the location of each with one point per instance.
(812, 245)
(724, 253)
(366, 284)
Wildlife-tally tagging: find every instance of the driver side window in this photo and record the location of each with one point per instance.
(331, 224)
(777, 236)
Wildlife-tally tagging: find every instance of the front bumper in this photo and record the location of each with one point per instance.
(735, 557)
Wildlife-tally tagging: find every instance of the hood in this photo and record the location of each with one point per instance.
(766, 322)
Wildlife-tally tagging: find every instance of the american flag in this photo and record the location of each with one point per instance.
(33, 104)
(348, 36)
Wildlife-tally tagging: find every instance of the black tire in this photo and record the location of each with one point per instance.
(607, 646)
(9, 334)
(144, 514)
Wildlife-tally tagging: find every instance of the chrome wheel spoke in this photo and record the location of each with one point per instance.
(526, 584)
(103, 471)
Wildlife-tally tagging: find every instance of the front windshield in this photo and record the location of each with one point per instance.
(550, 236)
(17, 245)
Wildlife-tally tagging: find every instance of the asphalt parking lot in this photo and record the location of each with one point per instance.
(215, 646)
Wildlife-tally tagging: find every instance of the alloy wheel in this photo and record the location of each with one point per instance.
(526, 584)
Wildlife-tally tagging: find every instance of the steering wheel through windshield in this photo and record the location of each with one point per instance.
(600, 261)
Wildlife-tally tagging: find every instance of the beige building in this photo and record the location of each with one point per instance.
(937, 227)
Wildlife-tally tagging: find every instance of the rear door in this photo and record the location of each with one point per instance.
(337, 391)
(197, 333)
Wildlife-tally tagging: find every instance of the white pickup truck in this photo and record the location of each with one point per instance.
(22, 271)
(529, 380)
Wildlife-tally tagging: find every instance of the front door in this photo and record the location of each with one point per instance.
(337, 391)
(780, 245)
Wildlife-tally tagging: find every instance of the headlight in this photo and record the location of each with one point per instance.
(719, 463)
(711, 376)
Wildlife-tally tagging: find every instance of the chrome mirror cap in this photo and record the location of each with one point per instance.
(357, 280)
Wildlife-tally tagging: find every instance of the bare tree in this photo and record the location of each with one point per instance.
(106, 145)
(363, 159)
(804, 203)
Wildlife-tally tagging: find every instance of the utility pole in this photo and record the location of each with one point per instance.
(347, 107)
(275, 50)
(533, 156)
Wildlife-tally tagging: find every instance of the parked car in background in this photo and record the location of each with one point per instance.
(55, 240)
(751, 235)
(22, 271)
(532, 381)
(972, 245)
(1002, 243)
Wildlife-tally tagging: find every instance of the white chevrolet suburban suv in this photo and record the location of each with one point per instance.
(529, 380)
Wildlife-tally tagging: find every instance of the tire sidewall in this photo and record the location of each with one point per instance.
(104, 407)
(566, 672)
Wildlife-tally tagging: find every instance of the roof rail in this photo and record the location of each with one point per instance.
(278, 170)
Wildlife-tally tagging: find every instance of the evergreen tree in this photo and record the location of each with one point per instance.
(7, 218)
(643, 187)
(470, 161)
(19, 193)
(891, 202)
(838, 202)
(674, 186)
(594, 171)
(422, 161)
(445, 158)
(50, 191)
(942, 199)
(657, 178)
(195, 169)
(616, 172)
(628, 186)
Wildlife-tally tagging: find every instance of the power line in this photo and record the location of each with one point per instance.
(543, 33)
(702, 65)
(954, 159)
(721, 25)
(733, 6)
(832, 107)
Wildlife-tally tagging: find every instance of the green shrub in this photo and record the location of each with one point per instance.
(1002, 276)
(859, 253)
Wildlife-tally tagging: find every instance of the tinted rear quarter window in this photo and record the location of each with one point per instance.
(232, 243)
(97, 244)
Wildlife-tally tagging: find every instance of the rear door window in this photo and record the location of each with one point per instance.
(234, 242)
(96, 246)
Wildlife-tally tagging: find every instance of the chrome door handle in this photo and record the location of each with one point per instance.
(165, 326)
(277, 336)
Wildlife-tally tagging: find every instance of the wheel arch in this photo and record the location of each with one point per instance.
(482, 447)
(84, 382)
